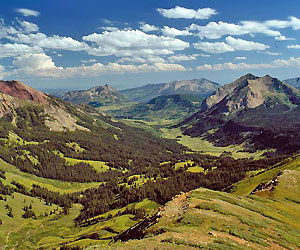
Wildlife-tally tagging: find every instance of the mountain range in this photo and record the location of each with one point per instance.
(165, 107)
(96, 96)
(73, 177)
(201, 87)
(261, 111)
(294, 82)
(16, 95)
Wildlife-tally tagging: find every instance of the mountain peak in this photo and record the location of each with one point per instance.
(96, 95)
(249, 91)
(201, 87)
(22, 91)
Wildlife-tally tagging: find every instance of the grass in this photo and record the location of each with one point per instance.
(200, 145)
(245, 187)
(195, 169)
(26, 179)
(99, 166)
(75, 146)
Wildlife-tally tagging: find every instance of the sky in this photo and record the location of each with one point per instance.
(75, 44)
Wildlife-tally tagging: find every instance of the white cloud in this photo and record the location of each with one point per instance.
(178, 58)
(11, 50)
(240, 44)
(181, 12)
(132, 43)
(29, 27)
(109, 28)
(148, 59)
(240, 58)
(172, 32)
(215, 30)
(89, 61)
(148, 27)
(279, 63)
(272, 53)
(42, 65)
(2, 73)
(283, 38)
(204, 55)
(54, 42)
(34, 62)
(214, 48)
(28, 12)
(295, 46)
(232, 44)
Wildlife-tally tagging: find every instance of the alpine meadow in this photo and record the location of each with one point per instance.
(149, 125)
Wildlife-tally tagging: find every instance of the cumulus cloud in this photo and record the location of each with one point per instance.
(215, 30)
(272, 53)
(291, 62)
(232, 44)
(29, 27)
(172, 32)
(53, 42)
(295, 46)
(148, 59)
(214, 48)
(178, 58)
(34, 62)
(42, 65)
(148, 27)
(240, 58)
(181, 12)
(284, 38)
(89, 61)
(109, 28)
(240, 44)
(28, 12)
(132, 43)
(11, 50)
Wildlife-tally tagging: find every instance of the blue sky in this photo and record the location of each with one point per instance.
(78, 44)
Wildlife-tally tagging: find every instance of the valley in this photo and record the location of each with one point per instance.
(86, 183)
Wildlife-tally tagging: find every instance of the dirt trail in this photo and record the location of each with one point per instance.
(172, 210)
(9, 233)
(175, 208)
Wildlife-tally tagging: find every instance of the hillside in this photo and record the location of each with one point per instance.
(78, 188)
(96, 96)
(169, 107)
(81, 186)
(294, 82)
(17, 96)
(201, 87)
(260, 111)
(265, 219)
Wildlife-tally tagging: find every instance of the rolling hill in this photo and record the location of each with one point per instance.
(96, 96)
(294, 82)
(261, 212)
(78, 187)
(260, 111)
(166, 107)
(201, 87)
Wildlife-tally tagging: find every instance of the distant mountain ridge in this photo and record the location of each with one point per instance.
(262, 111)
(294, 82)
(15, 95)
(96, 95)
(201, 87)
(169, 107)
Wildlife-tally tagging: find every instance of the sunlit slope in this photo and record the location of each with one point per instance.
(205, 219)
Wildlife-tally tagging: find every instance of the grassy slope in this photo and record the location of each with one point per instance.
(201, 145)
(13, 173)
(245, 187)
(218, 220)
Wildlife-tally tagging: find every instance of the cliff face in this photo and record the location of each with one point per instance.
(22, 91)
